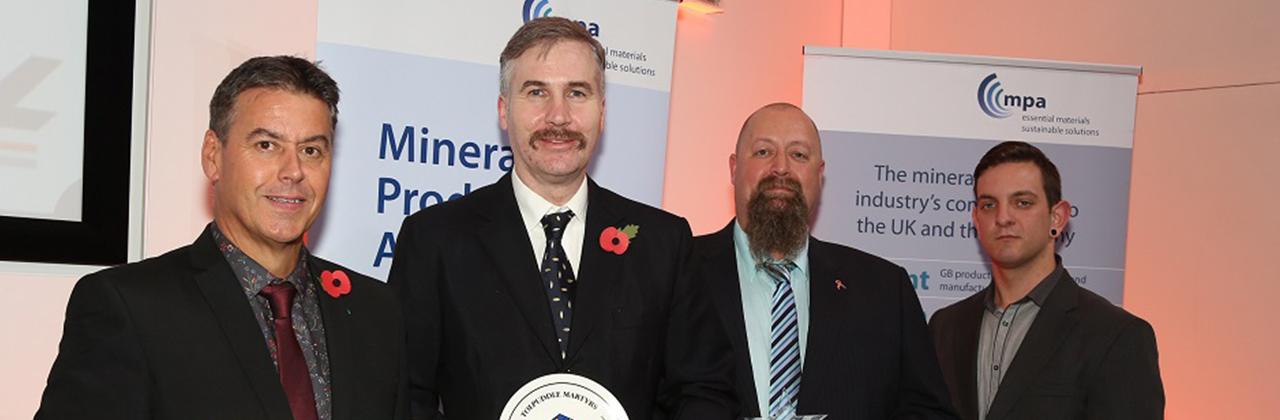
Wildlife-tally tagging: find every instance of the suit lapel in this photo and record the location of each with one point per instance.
(337, 333)
(827, 307)
(965, 342)
(230, 307)
(1051, 326)
(600, 271)
(505, 239)
(721, 269)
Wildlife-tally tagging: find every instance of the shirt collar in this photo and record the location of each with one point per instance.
(533, 206)
(742, 247)
(252, 275)
(1038, 294)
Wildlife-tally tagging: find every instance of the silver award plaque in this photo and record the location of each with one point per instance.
(563, 396)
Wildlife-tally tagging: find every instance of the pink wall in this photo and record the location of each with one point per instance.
(1203, 242)
(726, 66)
(31, 320)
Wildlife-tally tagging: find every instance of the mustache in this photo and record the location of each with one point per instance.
(775, 181)
(560, 133)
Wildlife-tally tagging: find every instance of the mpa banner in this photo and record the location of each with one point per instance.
(902, 132)
(418, 120)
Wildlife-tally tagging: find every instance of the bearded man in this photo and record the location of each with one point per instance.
(790, 302)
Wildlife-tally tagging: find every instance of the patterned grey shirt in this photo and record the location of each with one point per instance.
(307, 323)
(1002, 333)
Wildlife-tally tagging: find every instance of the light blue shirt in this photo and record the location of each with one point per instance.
(757, 306)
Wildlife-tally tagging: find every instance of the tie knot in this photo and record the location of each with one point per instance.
(280, 296)
(553, 224)
(779, 271)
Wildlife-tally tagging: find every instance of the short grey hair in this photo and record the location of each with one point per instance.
(546, 31)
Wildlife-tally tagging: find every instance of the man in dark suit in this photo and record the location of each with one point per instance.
(546, 272)
(816, 327)
(244, 323)
(1033, 344)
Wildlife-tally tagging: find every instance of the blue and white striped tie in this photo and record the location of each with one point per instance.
(784, 343)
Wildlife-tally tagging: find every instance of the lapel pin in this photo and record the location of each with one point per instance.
(335, 283)
(617, 240)
(840, 285)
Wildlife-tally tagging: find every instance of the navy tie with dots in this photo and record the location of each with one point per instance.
(557, 276)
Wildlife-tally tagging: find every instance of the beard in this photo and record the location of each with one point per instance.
(777, 223)
(559, 133)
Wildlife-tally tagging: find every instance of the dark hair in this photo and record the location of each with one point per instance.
(545, 30)
(283, 72)
(1018, 151)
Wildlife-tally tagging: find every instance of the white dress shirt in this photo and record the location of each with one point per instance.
(533, 207)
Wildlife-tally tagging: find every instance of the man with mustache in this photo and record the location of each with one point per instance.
(544, 271)
(1033, 344)
(244, 323)
(816, 327)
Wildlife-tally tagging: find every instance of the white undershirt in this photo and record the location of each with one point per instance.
(533, 207)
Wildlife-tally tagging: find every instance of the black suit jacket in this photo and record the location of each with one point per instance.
(480, 327)
(868, 354)
(173, 337)
(1083, 358)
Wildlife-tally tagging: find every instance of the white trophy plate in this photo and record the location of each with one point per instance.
(563, 396)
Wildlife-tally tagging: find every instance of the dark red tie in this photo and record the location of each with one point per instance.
(289, 361)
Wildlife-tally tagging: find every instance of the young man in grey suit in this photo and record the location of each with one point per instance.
(816, 327)
(1033, 344)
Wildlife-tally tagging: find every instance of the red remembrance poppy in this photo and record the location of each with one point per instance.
(608, 238)
(335, 282)
(617, 240)
(621, 244)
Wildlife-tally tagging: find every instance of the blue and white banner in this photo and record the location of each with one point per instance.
(902, 132)
(418, 120)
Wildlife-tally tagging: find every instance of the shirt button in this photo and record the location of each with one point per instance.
(995, 367)
(1006, 323)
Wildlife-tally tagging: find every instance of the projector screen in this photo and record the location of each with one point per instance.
(67, 89)
(42, 108)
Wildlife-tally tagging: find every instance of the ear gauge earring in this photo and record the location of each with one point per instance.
(1053, 233)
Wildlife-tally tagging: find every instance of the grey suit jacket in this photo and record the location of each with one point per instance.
(1083, 358)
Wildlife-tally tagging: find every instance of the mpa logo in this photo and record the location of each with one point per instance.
(996, 104)
(534, 9)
